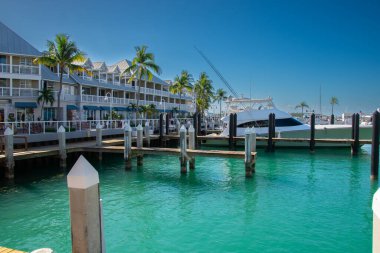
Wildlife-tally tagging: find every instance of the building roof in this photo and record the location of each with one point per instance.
(99, 65)
(95, 83)
(12, 43)
(48, 75)
(113, 69)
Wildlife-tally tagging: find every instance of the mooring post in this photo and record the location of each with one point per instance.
(332, 119)
(270, 140)
(83, 183)
(231, 131)
(273, 131)
(376, 222)
(356, 133)
(248, 155)
(178, 126)
(139, 144)
(167, 124)
(312, 132)
(234, 131)
(62, 146)
(182, 143)
(195, 124)
(128, 146)
(375, 146)
(160, 129)
(147, 135)
(191, 146)
(253, 139)
(9, 160)
(99, 129)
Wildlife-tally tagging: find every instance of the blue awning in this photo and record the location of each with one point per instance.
(104, 108)
(72, 107)
(120, 109)
(25, 105)
(90, 107)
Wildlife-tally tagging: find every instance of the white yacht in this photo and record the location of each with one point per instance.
(255, 113)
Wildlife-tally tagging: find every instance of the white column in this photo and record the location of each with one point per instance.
(145, 90)
(11, 86)
(376, 222)
(11, 64)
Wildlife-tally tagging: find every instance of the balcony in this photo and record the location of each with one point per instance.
(5, 68)
(24, 92)
(5, 92)
(26, 70)
(103, 99)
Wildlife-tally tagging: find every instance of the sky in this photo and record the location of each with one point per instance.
(288, 50)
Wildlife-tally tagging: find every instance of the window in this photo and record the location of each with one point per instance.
(3, 59)
(50, 113)
(3, 82)
(26, 61)
(264, 123)
(25, 83)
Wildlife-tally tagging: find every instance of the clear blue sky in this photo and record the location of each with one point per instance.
(283, 49)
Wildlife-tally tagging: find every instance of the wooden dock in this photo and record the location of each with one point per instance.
(7, 250)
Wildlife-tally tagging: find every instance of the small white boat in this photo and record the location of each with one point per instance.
(255, 113)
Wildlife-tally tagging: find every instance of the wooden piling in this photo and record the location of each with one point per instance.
(312, 132)
(248, 162)
(231, 131)
(375, 146)
(146, 133)
(191, 146)
(183, 155)
(332, 119)
(9, 159)
(234, 131)
(83, 183)
(99, 130)
(139, 144)
(273, 131)
(161, 131)
(167, 121)
(270, 134)
(128, 147)
(356, 132)
(62, 146)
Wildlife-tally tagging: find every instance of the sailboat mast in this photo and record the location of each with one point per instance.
(320, 100)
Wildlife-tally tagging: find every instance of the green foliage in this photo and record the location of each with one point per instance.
(181, 83)
(219, 96)
(333, 101)
(204, 92)
(302, 105)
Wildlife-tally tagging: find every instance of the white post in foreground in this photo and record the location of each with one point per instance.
(146, 133)
(128, 146)
(83, 183)
(9, 160)
(248, 161)
(376, 222)
(178, 126)
(139, 144)
(191, 146)
(253, 139)
(182, 142)
(62, 146)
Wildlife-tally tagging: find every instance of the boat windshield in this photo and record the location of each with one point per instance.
(265, 123)
(245, 104)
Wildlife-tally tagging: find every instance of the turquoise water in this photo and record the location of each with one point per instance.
(296, 202)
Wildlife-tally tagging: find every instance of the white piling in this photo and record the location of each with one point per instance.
(376, 222)
(62, 146)
(147, 135)
(182, 143)
(128, 146)
(191, 145)
(9, 159)
(139, 143)
(248, 156)
(83, 183)
(253, 139)
(178, 126)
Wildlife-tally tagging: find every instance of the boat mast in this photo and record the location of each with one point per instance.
(320, 100)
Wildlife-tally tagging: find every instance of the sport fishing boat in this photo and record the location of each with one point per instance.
(255, 113)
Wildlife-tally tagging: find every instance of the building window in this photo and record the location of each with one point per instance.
(26, 61)
(25, 83)
(50, 114)
(3, 59)
(3, 82)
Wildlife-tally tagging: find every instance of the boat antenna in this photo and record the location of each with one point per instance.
(217, 72)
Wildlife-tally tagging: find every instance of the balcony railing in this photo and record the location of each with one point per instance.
(4, 92)
(5, 68)
(25, 70)
(24, 92)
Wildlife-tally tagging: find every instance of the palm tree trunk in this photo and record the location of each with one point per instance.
(42, 111)
(220, 109)
(332, 109)
(59, 111)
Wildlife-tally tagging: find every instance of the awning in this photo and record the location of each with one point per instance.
(25, 104)
(104, 108)
(72, 107)
(120, 109)
(90, 107)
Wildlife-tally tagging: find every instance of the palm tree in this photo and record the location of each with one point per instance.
(204, 92)
(302, 105)
(220, 95)
(333, 101)
(141, 67)
(181, 83)
(45, 96)
(61, 53)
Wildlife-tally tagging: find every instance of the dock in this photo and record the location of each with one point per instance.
(8, 250)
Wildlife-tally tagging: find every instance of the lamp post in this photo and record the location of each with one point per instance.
(164, 103)
(110, 98)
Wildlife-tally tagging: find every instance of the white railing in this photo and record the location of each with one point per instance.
(102, 80)
(5, 92)
(87, 78)
(5, 68)
(89, 98)
(116, 100)
(24, 92)
(25, 69)
(70, 97)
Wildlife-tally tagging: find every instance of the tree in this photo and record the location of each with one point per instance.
(302, 105)
(141, 67)
(333, 101)
(220, 95)
(204, 92)
(45, 96)
(181, 83)
(61, 53)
